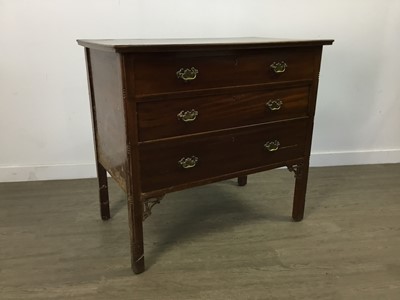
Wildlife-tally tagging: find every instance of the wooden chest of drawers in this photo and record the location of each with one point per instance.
(173, 114)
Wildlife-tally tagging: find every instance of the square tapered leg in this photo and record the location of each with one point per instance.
(242, 180)
(103, 192)
(301, 174)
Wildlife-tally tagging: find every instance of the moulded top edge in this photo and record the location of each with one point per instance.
(133, 45)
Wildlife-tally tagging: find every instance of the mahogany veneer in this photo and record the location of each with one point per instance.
(174, 114)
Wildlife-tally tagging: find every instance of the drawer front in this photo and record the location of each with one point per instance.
(159, 119)
(173, 72)
(183, 160)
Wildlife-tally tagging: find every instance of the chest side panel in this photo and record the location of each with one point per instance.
(108, 108)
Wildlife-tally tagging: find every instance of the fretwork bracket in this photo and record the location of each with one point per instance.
(148, 205)
(297, 169)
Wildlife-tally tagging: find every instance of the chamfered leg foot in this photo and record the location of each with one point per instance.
(103, 192)
(138, 265)
(242, 180)
(297, 218)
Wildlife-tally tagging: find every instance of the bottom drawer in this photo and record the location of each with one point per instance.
(183, 160)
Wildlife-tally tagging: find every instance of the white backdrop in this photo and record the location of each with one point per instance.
(45, 127)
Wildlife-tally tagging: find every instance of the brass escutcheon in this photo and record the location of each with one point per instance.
(188, 115)
(274, 104)
(188, 162)
(279, 67)
(272, 146)
(187, 74)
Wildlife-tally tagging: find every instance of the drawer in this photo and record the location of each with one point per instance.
(159, 119)
(178, 161)
(158, 72)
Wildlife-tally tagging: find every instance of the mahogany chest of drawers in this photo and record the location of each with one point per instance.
(174, 114)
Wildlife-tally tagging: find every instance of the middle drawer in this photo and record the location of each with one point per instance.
(167, 118)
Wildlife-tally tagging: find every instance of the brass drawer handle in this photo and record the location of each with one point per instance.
(187, 74)
(272, 146)
(188, 162)
(279, 67)
(188, 116)
(274, 104)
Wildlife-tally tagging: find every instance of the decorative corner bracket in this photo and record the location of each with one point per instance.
(148, 205)
(296, 169)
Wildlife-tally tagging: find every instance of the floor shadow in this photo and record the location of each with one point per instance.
(198, 212)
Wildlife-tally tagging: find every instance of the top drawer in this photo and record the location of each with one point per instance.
(156, 73)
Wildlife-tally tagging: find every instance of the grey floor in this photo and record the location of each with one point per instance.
(218, 241)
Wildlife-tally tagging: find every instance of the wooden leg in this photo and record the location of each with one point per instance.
(242, 180)
(103, 192)
(301, 174)
(135, 210)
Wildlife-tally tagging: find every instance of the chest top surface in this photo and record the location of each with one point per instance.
(149, 45)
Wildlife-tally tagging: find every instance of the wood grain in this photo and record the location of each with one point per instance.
(227, 152)
(158, 119)
(108, 108)
(157, 73)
